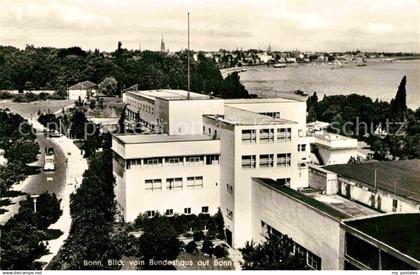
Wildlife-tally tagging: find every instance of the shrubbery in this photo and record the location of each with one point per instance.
(185, 223)
(22, 237)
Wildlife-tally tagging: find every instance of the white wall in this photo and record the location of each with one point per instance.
(139, 200)
(336, 156)
(75, 94)
(232, 150)
(186, 117)
(317, 232)
(364, 195)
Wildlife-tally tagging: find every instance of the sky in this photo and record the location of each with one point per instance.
(307, 25)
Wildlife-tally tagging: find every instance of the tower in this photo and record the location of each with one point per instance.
(162, 45)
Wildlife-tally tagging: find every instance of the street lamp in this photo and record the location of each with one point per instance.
(34, 198)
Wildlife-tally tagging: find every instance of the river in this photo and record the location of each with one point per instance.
(376, 80)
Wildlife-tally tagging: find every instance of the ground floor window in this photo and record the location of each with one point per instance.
(151, 213)
(187, 210)
(169, 212)
(205, 209)
(312, 260)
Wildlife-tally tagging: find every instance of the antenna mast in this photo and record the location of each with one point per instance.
(188, 52)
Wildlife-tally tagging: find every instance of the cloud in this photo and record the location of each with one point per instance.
(380, 28)
(288, 24)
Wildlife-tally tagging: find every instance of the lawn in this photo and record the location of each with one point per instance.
(28, 109)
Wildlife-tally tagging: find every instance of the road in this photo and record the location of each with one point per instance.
(63, 181)
(48, 181)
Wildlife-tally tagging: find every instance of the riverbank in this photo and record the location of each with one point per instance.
(378, 80)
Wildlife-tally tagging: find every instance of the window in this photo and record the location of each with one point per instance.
(249, 136)
(267, 135)
(204, 130)
(173, 160)
(284, 181)
(394, 205)
(229, 188)
(187, 211)
(271, 114)
(313, 261)
(212, 159)
(169, 212)
(195, 182)
(209, 131)
(151, 213)
(248, 161)
(153, 161)
(284, 134)
(205, 209)
(195, 160)
(174, 183)
(266, 160)
(283, 160)
(229, 213)
(301, 147)
(153, 184)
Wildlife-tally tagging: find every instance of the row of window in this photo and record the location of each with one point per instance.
(170, 212)
(174, 161)
(173, 183)
(312, 260)
(274, 115)
(267, 135)
(266, 160)
(141, 106)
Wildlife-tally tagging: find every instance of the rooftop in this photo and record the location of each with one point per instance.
(343, 205)
(156, 138)
(83, 85)
(400, 231)
(399, 177)
(168, 94)
(236, 116)
(338, 214)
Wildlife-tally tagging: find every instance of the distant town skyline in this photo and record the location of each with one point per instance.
(322, 25)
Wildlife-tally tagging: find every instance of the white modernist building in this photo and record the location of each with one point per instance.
(201, 153)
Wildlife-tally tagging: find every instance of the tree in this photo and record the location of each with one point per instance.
(121, 120)
(208, 248)
(158, 242)
(274, 254)
(399, 103)
(108, 86)
(78, 123)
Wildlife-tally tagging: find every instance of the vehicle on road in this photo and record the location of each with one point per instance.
(49, 163)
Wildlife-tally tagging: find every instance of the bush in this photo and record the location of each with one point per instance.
(207, 247)
(191, 247)
(220, 251)
(198, 236)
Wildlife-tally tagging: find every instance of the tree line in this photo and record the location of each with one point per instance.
(17, 139)
(55, 69)
(390, 128)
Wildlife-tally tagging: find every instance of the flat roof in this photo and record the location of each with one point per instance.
(344, 205)
(237, 116)
(156, 138)
(305, 199)
(399, 177)
(332, 136)
(168, 94)
(398, 230)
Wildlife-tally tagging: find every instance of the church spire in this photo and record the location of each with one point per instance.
(162, 45)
